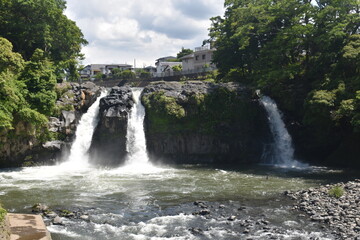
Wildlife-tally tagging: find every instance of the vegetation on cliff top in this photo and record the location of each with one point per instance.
(305, 54)
(199, 112)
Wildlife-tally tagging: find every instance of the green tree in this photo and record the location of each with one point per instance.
(177, 68)
(40, 82)
(128, 75)
(116, 72)
(14, 94)
(305, 54)
(11, 64)
(41, 24)
(258, 38)
(99, 76)
(183, 52)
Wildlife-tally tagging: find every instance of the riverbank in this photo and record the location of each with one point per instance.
(4, 230)
(336, 205)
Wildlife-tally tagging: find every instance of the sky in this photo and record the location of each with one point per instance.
(119, 31)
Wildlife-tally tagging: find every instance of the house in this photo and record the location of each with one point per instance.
(164, 66)
(91, 70)
(122, 67)
(188, 62)
(199, 61)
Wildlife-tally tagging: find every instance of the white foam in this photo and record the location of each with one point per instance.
(78, 158)
(63, 231)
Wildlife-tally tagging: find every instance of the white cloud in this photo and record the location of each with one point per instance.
(120, 31)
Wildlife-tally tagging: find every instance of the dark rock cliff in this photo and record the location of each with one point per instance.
(199, 122)
(109, 140)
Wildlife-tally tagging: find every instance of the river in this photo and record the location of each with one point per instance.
(141, 201)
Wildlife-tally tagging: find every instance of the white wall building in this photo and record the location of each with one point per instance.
(91, 70)
(164, 66)
(199, 61)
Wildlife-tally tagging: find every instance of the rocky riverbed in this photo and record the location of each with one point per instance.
(209, 220)
(337, 206)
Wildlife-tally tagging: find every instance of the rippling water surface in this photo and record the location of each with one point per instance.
(157, 202)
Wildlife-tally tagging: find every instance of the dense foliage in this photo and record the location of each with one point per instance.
(41, 24)
(3, 213)
(304, 53)
(26, 88)
(38, 44)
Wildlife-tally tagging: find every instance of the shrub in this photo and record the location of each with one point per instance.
(127, 75)
(32, 116)
(3, 213)
(177, 68)
(336, 191)
(61, 89)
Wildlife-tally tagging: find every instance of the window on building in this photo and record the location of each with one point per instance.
(196, 57)
(203, 57)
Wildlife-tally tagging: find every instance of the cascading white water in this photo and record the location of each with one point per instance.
(137, 161)
(282, 152)
(136, 142)
(78, 154)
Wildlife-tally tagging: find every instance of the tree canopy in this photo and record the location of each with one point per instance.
(38, 46)
(40, 24)
(15, 97)
(183, 52)
(278, 44)
(305, 54)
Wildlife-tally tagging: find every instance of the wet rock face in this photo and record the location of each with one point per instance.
(203, 122)
(75, 101)
(109, 140)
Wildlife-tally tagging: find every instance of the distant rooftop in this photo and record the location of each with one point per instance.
(165, 58)
(191, 55)
(206, 47)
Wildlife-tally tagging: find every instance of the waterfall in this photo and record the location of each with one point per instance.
(282, 151)
(136, 142)
(137, 161)
(79, 150)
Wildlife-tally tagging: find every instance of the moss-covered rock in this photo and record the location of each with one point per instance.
(191, 122)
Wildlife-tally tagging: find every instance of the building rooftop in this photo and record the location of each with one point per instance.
(188, 56)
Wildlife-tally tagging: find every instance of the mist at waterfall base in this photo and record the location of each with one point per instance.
(140, 201)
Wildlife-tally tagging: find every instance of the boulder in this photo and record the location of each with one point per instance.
(57, 221)
(109, 140)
